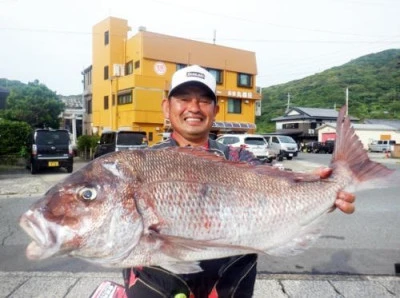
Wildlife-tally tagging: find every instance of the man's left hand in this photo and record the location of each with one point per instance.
(344, 200)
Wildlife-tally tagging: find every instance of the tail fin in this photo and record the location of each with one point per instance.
(349, 149)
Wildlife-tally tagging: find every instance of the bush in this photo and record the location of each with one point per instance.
(13, 136)
(86, 145)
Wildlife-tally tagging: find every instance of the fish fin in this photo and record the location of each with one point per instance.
(182, 267)
(307, 236)
(349, 152)
(172, 245)
(289, 175)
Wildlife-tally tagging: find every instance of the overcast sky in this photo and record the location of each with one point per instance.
(50, 40)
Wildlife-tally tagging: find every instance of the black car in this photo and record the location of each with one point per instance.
(50, 148)
(320, 147)
(111, 141)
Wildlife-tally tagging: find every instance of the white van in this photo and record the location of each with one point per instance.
(381, 145)
(283, 145)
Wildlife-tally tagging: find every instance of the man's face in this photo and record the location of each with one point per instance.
(191, 111)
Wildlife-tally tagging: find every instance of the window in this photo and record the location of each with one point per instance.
(290, 126)
(217, 74)
(180, 66)
(137, 64)
(106, 102)
(129, 68)
(106, 37)
(89, 106)
(124, 99)
(150, 136)
(106, 72)
(244, 80)
(234, 106)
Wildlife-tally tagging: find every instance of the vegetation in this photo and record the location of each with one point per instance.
(13, 136)
(87, 144)
(373, 82)
(32, 103)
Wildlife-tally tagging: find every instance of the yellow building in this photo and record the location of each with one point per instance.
(130, 77)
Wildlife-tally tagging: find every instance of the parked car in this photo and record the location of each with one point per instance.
(49, 148)
(111, 141)
(381, 145)
(284, 146)
(320, 147)
(251, 142)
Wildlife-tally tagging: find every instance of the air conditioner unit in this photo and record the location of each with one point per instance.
(118, 70)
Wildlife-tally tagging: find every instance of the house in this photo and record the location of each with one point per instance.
(366, 132)
(301, 123)
(130, 75)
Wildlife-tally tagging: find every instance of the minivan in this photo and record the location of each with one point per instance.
(111, 141)
(49, 148)
(251, 142)
(284, 146)
(381, 145)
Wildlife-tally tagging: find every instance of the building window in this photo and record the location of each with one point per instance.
(180, 66)
(124, 99)
(150, 136)
(106, 102)
(234, 106)
(244, 80)
(217, 73)
(89, 106)
(106, 72)
(129, 68)
(137, 64)
(290, 126)
(106, 37)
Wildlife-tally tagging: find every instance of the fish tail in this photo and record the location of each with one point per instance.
(350, 151)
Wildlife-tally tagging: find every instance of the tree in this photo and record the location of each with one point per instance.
(34, 104)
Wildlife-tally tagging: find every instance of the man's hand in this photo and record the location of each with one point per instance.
(344, 200)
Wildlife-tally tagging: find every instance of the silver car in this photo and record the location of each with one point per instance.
(251, 142)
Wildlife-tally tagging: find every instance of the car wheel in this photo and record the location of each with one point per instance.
(70, 168)
(34, 168)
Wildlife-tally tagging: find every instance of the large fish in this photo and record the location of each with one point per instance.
(176, 206)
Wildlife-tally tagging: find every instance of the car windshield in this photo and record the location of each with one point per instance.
(52, 137)
(285, 139)
(254, 141)
(129, 138)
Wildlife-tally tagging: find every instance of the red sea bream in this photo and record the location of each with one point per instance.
(176, 206)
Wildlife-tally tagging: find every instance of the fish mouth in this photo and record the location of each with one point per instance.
(44, 242)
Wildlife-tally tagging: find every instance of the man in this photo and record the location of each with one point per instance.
(191, 107)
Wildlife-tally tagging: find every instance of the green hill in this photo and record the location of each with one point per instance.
(374, 90)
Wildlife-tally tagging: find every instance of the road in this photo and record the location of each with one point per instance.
(367, 242)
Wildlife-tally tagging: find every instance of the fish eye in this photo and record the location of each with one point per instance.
(88, 193)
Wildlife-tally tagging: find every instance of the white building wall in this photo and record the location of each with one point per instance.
(365, 136)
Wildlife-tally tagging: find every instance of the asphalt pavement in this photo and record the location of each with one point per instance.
(67, 284)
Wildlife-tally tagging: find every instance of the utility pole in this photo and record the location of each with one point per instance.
(347, 101)
(288, 102)
(215, 36)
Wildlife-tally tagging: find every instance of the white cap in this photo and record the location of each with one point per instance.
(193, 74)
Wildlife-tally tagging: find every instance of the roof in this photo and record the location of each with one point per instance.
(357, 126)
(302, 113)
(170, 48)
(391, 122)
